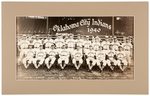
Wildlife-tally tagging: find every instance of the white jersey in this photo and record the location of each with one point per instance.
(71, 43)
(48, 42)
(37, 43)
(90, 53)
(59, 43)
(40, 53)
(100, 55)
(105, 45)
(23, 44)
(51, 52)
(80, 42)
(30, 53)
(111, 54)
(116, 45)
(96, 45)
(127, 46)
(120, 55)
(87, 44)
(77, 53)
(64, 53)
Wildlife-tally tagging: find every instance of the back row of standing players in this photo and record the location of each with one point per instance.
(108, 52)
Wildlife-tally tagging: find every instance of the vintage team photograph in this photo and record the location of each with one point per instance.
(75, 48)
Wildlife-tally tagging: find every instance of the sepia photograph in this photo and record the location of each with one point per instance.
(75, 48)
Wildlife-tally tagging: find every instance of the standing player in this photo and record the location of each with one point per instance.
(40, 57)
(28, 56)
(96, 43)
(121, 61)
(128, 50)
(37, 42)
(48, 42)
(79, 41)
(63, 57)
(116, 44)
(87, 43)
(105, 43)
(49, 61)
(90, 60)
(23, 44)
(71, 44)
(77, 57)
(59, 42)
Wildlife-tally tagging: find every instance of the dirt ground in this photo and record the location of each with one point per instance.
(70, 73)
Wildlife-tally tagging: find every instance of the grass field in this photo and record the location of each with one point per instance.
(55, 73)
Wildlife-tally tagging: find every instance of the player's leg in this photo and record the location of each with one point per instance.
(60, 63)
(35, 63)
(47, 62)
(98, 62)
(25, 62)
(111, 64)
(124, 65)
(80, 63)
(66, 61)
(104, 64)
(74, 63)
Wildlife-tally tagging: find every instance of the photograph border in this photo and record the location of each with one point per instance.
(12, 86)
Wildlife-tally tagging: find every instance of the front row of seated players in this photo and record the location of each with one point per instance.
(101, 58)
(96, 52)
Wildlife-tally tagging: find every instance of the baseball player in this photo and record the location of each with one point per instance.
(77, 57)
(40, 57)
(121, 61)
(116, 44)
(105, 43)
(100, 58)
(23, 43)
(96, 43)
(87, 43)
(128, 50)
(90, 60)
(48, 42)
(63, 57)
(110, 58)
(37, 42)
(79, 41)
(28, 56)
(59, 42)
(71, 44)
(49, 61)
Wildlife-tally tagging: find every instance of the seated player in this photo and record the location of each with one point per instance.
(110, 58)
(121, 61)
(23, 44)
(40, 57)
(90, 60)
(100, 58)
(77, 57)
(29, 56)
(128, 50)
(49, 61)
(63, 57)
